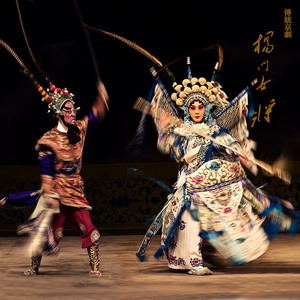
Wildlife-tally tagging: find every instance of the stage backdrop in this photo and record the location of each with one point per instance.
(122, 203)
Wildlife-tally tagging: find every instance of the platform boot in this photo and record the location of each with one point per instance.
(93, 252)
(35, 264)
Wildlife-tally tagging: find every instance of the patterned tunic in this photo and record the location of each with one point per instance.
(66, 180)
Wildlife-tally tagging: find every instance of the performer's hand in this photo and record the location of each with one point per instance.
(243, 156)
(99, 106)
(287, 204)
(2, 201)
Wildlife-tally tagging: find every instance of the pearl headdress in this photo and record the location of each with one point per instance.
(194, 88)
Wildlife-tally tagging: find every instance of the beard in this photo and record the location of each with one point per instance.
(73, 134)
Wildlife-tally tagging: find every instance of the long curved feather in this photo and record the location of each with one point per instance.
(13, 53)
(162, 67)
(212, 47)
(25, 70)
(129, 43)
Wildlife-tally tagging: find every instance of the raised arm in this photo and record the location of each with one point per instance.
(98, 110)
(169, 142)
(100, 104)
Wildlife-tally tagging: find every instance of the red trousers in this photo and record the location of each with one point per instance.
(81, 218)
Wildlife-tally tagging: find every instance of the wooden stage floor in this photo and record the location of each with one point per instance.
(276, 275)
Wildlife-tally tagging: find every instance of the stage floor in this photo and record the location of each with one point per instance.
(276, 275)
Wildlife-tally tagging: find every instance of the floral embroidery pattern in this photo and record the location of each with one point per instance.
(95, 235)
(198, 179)
(181, 224)
(176, 262)
(234, 169)
(227, 210)
(196, 262)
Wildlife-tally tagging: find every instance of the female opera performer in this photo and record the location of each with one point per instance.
(213, 200)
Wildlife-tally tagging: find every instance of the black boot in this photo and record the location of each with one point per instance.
(35, 264)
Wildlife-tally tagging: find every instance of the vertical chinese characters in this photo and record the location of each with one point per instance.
(287, 23)
(263, 46)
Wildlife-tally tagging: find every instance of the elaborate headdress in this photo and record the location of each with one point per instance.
(209, 93)
(57, 98)
(191, 89)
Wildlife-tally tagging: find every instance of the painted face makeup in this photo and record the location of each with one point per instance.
(196, 111)
(69, 113)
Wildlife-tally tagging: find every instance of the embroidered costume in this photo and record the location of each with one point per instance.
(62, 192)
(213, 201)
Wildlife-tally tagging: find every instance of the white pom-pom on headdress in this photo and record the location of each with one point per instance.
(202, 80)
(182, 95)
(200, 89)
(212, 98)
(178, 88)
(174, 96)
(185, 82)
(215, 90)
(179, 101)
(203, 89)
(187, 90)
(195, 88)
(194, 80)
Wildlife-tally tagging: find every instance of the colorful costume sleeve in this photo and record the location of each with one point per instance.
(234, 118)
(93, 122)
(228, 140)
(46, 160)
(171, 143)
(21, 198)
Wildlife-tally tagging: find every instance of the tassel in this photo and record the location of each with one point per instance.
(159, 253)
(141, 258)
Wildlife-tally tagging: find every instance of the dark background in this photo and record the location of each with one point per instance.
(167, 30)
